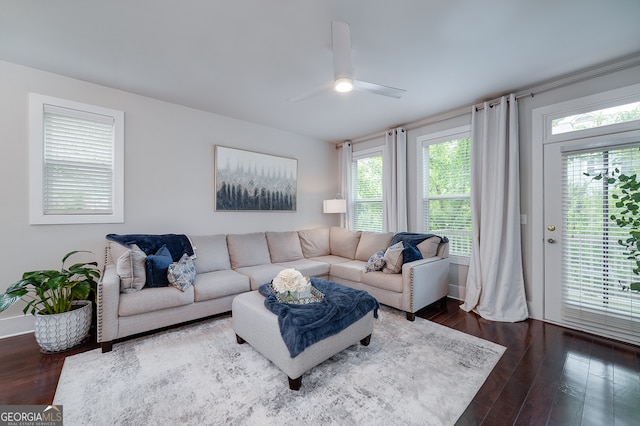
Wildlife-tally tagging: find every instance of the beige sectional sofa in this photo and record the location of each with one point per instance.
(227, 265)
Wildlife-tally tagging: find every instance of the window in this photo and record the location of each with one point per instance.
(597, 118)
(366, 211)
(76, 162)
(597, 272)
(446, 187)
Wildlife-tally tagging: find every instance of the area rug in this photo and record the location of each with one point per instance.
(412, 373)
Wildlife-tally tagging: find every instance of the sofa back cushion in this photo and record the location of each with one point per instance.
(284, 246)
(211, 253)
(343, 242)
(372, 242)
(315, 242)
(248, 249)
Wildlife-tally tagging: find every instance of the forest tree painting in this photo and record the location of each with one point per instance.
(250, 181)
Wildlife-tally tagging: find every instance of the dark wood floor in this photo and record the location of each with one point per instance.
(549, 375)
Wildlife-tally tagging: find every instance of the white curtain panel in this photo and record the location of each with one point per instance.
(394, 194)
(495, 283)
(345, 181)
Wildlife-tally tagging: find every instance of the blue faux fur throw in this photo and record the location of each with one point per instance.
(410, 240)
(303, 325)
(178, 244)
(413, 237)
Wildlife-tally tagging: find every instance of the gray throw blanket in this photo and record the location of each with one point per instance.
(303, 325)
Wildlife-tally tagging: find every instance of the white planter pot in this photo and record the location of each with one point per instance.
(59, 332)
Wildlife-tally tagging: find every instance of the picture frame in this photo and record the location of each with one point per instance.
(252, 181)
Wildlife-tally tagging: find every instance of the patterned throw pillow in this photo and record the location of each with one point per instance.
(393, 259)
(376, 262)
(181, 274)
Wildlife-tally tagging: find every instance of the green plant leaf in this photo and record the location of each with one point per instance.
(7, 300)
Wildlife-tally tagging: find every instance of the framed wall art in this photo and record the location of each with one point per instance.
(251, 181)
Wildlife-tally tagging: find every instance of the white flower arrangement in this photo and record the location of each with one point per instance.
(289, 280)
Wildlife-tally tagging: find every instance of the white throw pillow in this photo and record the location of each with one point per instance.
(429, 247)
(393, 259)
(131, 268)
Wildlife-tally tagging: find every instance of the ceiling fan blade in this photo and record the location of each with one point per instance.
(379, 89)
(325, 88)
(341, 46)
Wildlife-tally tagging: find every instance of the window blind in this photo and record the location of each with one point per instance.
(78, 162)
(596, 273)
(366, 211)
(446, 192)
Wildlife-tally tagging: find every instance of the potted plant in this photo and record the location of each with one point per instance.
(629, 201)
(59, 301)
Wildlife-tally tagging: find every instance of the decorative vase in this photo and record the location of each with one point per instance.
(59, 332)
(289, 296)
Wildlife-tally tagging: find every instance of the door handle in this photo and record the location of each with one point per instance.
(551, 240)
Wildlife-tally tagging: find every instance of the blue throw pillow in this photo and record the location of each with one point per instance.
(157, 266)
(410, 253)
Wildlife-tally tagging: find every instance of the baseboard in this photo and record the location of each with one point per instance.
(14, 326)
(457, 292)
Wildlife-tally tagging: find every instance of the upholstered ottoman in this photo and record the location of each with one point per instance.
(255, 324)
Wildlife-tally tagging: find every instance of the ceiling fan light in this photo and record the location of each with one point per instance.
(343, 85)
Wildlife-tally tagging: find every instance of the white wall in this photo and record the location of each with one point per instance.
(168, 176)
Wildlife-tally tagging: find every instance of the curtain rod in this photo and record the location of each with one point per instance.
(597, 71)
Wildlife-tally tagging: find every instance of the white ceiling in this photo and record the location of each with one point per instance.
(245, 58)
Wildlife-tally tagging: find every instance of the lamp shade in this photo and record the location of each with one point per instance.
(334, 206)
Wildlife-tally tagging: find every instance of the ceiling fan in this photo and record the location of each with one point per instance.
(343, 80)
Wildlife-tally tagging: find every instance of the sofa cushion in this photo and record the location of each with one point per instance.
(371, 242)
(390, 282)
(429, 247)
(248, 249)
(351, 270)
(330, 259)
(217, 284)
(212, 253)
(284, 246)
(131, 268)
(393, 259)
(182, 273)
(343, 242)
(260, 274)
(153, 300)
(157, 266)
(308, 267)
(315, 242)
